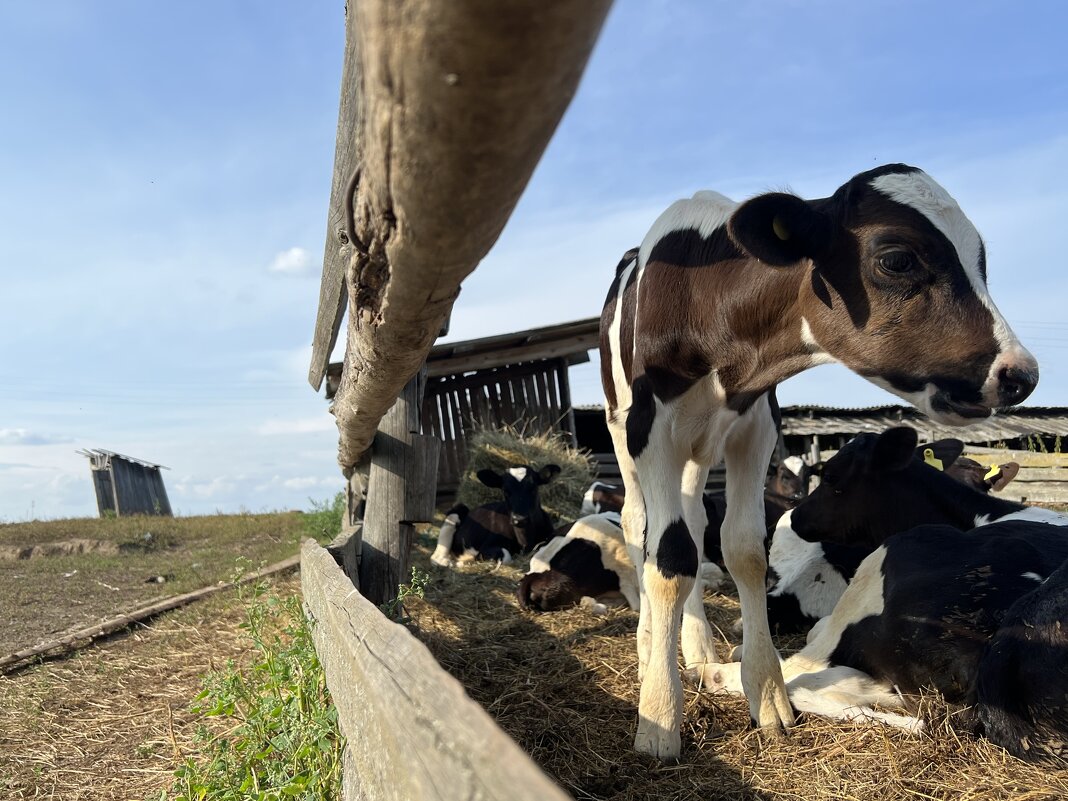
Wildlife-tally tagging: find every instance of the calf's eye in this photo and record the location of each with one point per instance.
(897, 262)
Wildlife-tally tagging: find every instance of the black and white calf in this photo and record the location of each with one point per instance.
(1021, 699)
(602, 497)
(499, 530)
(876, 486)
(722, 302)
(586, 559)
(806, 579)
(959, 612)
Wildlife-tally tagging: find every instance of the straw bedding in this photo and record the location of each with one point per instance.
(564, 685)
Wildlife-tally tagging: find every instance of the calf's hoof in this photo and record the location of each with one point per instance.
(772, 711)
(656, 741)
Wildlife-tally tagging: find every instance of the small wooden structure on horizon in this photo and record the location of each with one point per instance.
(127, 486)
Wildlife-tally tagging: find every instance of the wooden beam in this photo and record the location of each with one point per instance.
(458, 102)
(411, 731)
(462, 363)
(339, 250)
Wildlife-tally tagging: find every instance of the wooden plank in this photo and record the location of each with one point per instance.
(458, 101)
(338, 251)
(412, 732)
(533, 352)
(1036, 492)
(568, 422)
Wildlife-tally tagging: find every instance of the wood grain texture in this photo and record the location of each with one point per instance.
(338, 250)
(458, 103)
(412, 732)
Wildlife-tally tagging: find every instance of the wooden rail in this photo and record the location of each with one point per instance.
(412, 733)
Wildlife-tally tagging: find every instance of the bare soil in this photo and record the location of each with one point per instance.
(60, 575)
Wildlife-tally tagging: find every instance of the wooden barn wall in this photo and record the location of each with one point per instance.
(138, 489)
(534, 397)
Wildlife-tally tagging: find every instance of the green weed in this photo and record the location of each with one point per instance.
(275, 735)
(416, 588)
(323, 522)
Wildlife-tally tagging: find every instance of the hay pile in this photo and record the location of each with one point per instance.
(565, 686)
(501, 448)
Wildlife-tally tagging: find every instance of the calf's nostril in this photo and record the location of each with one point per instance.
(1015, 385)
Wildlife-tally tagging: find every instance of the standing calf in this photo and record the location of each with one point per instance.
(720, 304)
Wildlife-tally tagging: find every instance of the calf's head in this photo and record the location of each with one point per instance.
(895, 288)
(878, 485)
(519, 485)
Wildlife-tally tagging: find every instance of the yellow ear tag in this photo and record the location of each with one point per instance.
(994, 470)
(929, 458)
(779, 228)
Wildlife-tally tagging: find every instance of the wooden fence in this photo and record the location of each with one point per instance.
(534, 397)
(412, 733)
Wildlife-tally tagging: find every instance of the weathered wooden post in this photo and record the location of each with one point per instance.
(401, 491)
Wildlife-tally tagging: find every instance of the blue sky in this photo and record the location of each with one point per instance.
(165, 170)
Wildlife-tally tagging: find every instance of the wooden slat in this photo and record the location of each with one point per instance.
(568, 423)
(412, 732)
(338, 250)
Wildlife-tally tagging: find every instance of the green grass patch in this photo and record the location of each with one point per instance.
(269, 730)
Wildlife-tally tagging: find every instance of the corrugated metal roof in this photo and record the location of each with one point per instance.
(100, 457)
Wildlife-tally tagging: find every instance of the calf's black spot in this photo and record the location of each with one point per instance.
(641, 415)
(676, 555)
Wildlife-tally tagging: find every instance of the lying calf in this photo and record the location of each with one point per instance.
(587, 559)
(939, 608)
(876, 486)
(497, 531)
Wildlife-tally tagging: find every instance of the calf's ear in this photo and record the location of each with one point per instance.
(490, 478)
(547, 474)
(781, 229)
(894, 449)
(1007, 473)
(946, 451)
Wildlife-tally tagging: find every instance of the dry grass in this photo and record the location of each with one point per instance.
(112, 722)
(501, 448)
(565, 687)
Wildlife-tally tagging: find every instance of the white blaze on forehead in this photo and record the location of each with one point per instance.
(519, 473)
(795, 464)
(920, 192)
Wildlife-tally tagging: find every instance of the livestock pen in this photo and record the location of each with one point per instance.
(414, 207)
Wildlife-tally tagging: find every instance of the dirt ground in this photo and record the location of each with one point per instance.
(60, 575)
(113, 721)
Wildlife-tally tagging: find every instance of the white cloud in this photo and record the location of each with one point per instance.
(294, 261)
(20, 436)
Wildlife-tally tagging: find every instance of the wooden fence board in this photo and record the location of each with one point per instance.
(412, 732)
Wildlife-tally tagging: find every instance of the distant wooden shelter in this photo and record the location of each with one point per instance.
(518, 379)
(127, 486)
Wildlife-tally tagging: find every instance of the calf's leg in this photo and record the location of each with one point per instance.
(748, 450)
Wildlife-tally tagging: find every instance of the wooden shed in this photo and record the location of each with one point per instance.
(518, 379)
(127, 486)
